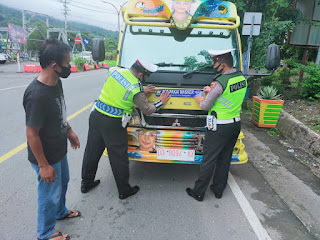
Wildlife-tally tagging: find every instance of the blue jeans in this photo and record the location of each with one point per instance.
(52, 198)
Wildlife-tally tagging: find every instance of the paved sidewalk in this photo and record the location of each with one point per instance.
(290, 178)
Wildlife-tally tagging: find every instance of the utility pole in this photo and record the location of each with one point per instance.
(118, 12)
(64, 34)
(24, 20)
(318, 56)
(65, 16)
(48, 26)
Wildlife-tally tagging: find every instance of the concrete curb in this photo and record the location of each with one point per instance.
(297, 194)
(300, 134)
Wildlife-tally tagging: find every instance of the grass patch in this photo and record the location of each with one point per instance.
(110, 62)
(274, 132)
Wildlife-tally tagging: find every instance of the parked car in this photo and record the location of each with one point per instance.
(3, 58)
(87, 55)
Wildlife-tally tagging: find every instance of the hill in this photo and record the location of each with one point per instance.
(14, 16)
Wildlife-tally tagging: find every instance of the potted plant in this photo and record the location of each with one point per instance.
(266, 107)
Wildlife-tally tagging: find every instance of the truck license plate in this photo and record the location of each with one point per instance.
(175, 154)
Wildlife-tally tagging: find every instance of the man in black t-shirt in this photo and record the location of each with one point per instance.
(47, 132)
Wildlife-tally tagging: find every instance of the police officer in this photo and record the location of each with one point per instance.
(108, 122)
(223, 101)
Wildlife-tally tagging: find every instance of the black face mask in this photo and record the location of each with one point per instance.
(144, 77)
(65, 72)
(215, 70)
(141, 78)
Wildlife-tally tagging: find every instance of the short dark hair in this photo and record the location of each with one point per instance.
(140, 69)
(227, 59)
(52, 50)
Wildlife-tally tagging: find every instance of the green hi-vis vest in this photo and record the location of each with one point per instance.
(117, 94)
(228, 105)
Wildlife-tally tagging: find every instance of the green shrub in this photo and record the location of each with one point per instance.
(311, 83)
(267, 81)
(273, 80)
(280, 79)
(279, 86)
(250, 81)
(111, 55)
(79, 62)
(295, 71)
(284, 76)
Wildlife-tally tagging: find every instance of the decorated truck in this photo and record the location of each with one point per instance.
(176, 35)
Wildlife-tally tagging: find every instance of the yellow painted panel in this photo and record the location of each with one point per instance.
(181, 103)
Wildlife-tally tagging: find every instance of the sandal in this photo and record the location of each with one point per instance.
(54, 236)
(70, 213)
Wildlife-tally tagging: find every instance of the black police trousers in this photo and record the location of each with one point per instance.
(217, 154)
(107, 132)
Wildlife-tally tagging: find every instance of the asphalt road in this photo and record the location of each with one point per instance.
(249, 209)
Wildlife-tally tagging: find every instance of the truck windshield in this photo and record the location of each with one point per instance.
(164, 45)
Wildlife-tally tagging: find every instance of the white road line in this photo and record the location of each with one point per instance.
(85, 75)
(3, 89)
(247, 210)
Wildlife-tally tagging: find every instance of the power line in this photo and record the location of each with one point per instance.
(50, 25)
(83, 15)
(98, 3)
(65, 2)
(92, 9)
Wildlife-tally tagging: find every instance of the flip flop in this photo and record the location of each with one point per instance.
(54, 236)
(69, 213)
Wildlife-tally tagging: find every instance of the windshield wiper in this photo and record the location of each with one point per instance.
(188, 74)
(163, 64)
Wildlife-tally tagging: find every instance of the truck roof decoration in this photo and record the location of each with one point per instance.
(182, 14)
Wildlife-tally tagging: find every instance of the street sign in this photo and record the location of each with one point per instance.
(248, 18)
(246, 30)
(251, 22)
(86, 41)
(77, 40)
(251, 27)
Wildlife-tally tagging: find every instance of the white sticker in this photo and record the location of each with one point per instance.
(211, 123)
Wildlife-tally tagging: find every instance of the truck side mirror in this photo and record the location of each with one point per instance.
(98, 50)
(273, 57)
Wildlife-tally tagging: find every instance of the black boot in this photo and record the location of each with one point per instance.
(192, 194)
(216, 194)
(132, 191)
(86, 186)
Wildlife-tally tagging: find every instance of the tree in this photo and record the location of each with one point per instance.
(279, 18)
(35, 39)
(111, 46)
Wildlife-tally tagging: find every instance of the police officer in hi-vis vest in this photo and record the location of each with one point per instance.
(108, 123)
(223, 101)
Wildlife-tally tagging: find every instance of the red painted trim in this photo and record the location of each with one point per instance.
(255, 98)
(314, 7)
(264, 125)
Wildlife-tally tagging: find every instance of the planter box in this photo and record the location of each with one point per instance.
(266, 113)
